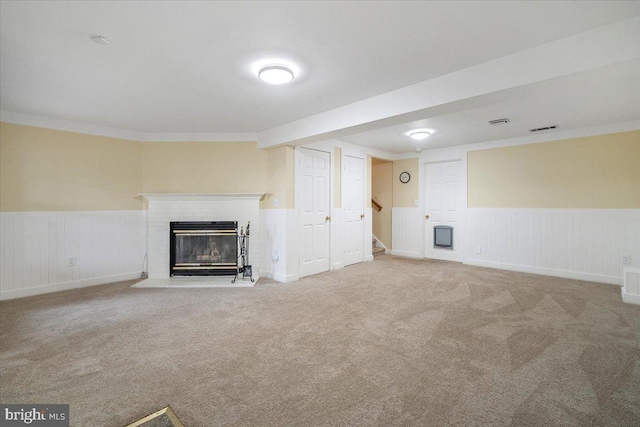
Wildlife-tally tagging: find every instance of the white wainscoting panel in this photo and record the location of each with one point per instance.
(586, 244)
(406, 232)
(275, 231)
(108, 246)
(631, 285)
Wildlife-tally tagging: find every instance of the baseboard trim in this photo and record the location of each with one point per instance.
(406, 254)
(546, 272)
(279, 277)
(285, 278)
(630, 299)
(368, 258)
(338, 265)
(57, 287)
(266, 274)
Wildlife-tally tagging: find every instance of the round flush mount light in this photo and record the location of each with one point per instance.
(419, 135)
(275, 74)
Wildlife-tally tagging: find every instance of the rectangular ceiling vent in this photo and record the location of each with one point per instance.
(544, 128)
(498, 122)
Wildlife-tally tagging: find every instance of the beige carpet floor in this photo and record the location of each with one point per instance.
(389, 343)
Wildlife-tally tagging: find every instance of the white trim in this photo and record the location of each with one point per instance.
(630, 299)
(266, 274)
(546, 272)
(406, 254)
(67, 125)
(408, 155)
(278, 277)
(353, 150)
(198, 137)
(20, 293)
(626, 297)
(90, 129)
(201, 196)
(285, 278)
(338, 265)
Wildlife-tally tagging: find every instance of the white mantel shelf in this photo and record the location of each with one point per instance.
(201, 196)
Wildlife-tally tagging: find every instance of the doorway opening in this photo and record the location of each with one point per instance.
(381, 202)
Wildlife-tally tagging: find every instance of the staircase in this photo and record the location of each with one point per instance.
(375, 250)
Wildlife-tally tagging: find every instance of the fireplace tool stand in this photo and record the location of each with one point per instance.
(245, 268)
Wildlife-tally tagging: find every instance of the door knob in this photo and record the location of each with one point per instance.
(362, 216)
(426, 217)
(327, 219)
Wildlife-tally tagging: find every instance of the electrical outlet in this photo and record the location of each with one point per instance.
(275, 203)
(416, 202)
(626, 259)
(478, 250)
(71, 261)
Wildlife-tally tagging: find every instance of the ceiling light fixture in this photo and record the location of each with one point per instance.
(275, 74)
(420, 135)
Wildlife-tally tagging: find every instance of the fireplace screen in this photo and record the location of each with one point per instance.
(204, 248)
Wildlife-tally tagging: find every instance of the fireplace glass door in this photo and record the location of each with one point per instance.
(204, 248)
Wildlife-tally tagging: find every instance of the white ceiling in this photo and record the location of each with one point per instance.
(598, 97)
(186, 66)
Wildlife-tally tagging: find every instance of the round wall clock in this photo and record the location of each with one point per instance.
(405, 177)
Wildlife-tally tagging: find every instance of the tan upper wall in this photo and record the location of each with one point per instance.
(51, 170)
(204, 167)
(405, 195)
(592, 172)
(280, 178)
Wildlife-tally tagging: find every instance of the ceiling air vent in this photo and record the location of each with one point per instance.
(498, 122)
(544, 128)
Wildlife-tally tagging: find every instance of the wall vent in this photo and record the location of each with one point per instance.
(498, 122)
(544, 128)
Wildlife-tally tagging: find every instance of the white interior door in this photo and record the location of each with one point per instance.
(444, 206)
(315, 211)
(353, 204)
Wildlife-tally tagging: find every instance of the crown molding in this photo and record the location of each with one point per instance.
(90, 129)
(66, 125)
(198, 137)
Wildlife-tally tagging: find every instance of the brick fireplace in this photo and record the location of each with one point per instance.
(165, 208)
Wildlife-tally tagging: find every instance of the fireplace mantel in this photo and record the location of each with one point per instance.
(201, 196)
